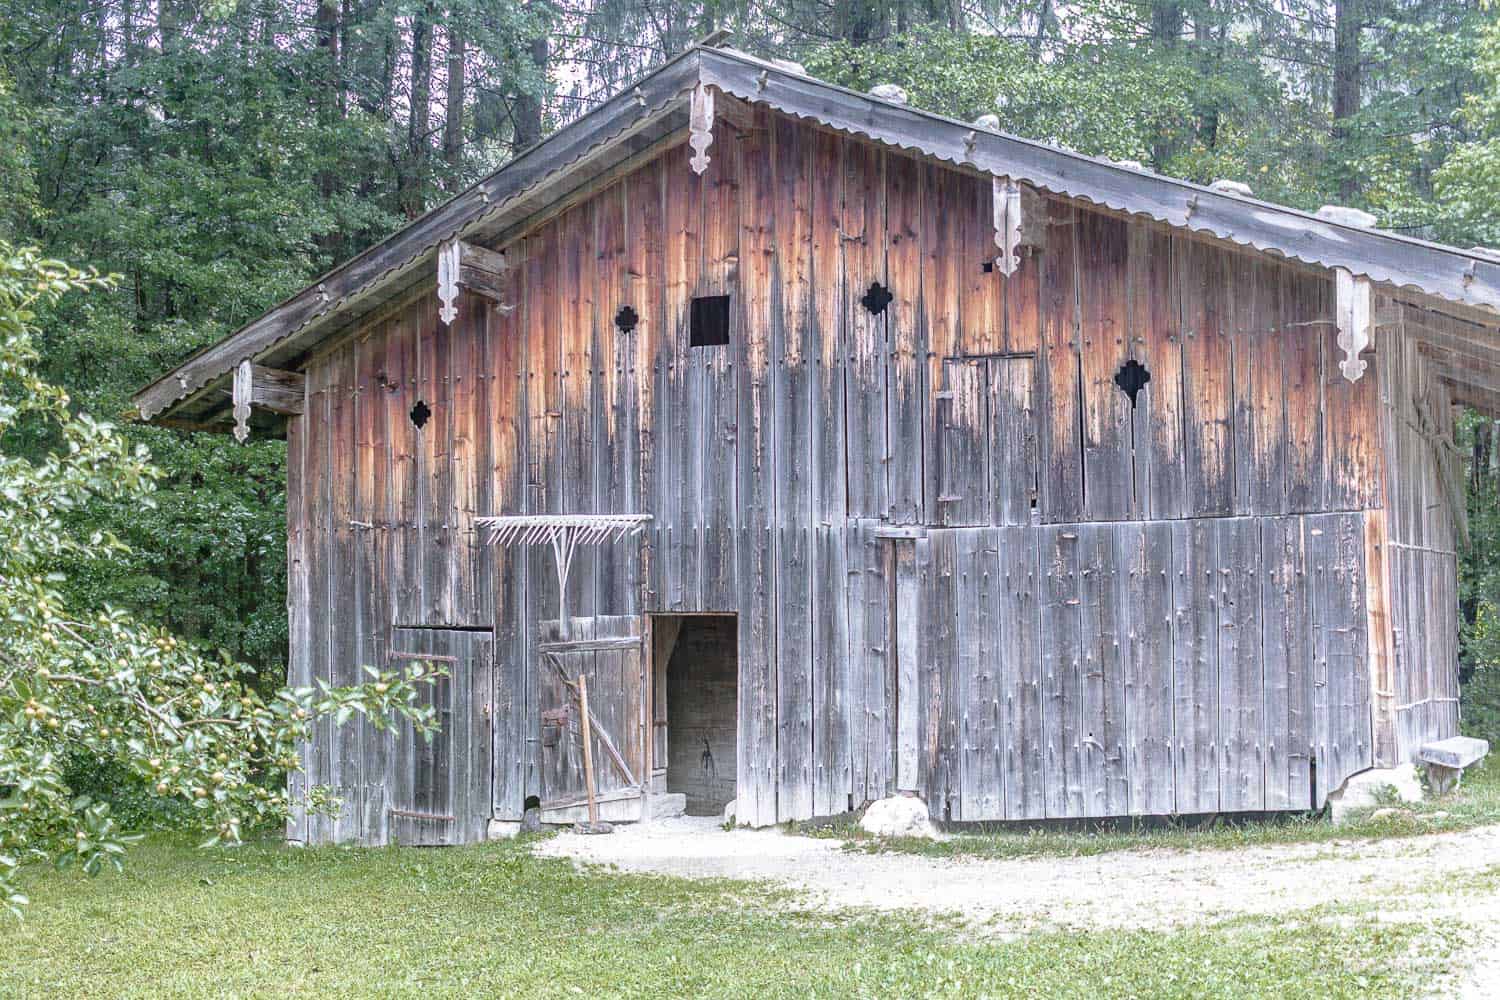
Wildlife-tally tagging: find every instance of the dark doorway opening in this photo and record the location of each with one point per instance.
(698, 707)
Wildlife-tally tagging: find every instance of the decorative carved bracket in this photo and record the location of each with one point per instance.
(448, 256)
(464, 265)
(242, 401)
(1007, 203)
(268, 388)
(700, 127)
(1019, 214)
(1354, 315)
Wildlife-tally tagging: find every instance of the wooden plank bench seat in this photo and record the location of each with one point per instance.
(1446, 760)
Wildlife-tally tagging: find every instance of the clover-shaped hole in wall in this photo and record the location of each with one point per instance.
(876, 298)
(420, 413)
(1132, 378)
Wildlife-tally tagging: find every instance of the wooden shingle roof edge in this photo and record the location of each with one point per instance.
(1470, 279)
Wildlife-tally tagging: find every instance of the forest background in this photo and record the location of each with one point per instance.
(219, 156)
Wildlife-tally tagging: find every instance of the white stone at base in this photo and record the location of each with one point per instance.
(667, 805)
(500, 829)
(1363, 790)
(898, 816)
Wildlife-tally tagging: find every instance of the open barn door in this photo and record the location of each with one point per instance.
(440, 787)
(609, 651)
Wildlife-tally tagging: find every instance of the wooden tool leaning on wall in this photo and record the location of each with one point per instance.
(593, 825)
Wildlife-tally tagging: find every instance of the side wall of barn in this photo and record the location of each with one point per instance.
(962, 558)
(1424, 489)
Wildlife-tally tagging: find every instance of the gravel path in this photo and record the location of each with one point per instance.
(1153, 889)
(1157, 889)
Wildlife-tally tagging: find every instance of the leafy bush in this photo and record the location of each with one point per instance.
(1480, 704)
(96, 698)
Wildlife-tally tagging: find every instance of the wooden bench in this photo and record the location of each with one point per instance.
(1446, 760)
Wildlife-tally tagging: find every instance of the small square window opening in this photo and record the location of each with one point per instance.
(709, 321)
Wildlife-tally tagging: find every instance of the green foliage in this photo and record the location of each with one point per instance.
(1469, 180)
(1479, 582)
(100, 686)
(1480, 689)
(1103, 100)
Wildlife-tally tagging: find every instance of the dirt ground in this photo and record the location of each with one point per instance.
(1152, 889)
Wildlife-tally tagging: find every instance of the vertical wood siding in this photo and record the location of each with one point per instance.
(1115, 608)
(1423, 479)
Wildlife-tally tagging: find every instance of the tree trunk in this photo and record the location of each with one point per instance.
(527, 110)
(1347, 16)
(1494, 427)
(453, 122)
(327, 29)
(168, 24)
(328, 98)
(1210, 44)
(1167, 20)
(346, 14)
(419, 121)
(1481, 458)
(1044, 19)
(863, 22)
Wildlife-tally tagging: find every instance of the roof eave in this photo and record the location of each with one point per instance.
(1386, 258)
(1470, 281)
(607, 127)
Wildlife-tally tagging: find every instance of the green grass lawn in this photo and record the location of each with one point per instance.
(1477, 803)
(266, 920)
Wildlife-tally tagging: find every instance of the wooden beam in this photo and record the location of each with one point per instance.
(735, 112)
(1480, 374)
(276, 390)
(1468, 395)
(474, 268)
(1448, 341)
(482, 271)
(268, 388)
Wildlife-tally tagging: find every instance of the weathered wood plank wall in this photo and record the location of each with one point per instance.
(1423, 482)
(1115, 607)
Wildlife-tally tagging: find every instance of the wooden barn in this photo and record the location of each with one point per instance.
(844, 450)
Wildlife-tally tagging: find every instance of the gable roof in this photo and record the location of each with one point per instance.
(1456, 289)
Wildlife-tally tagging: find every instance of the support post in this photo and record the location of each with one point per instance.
(588, 749)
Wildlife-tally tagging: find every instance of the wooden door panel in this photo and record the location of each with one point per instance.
(609, 651)
(440, 787)
(1013, 444)
(963, 421)
(987, 443)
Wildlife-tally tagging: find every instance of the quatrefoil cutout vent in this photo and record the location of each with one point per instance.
(1132, 378)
